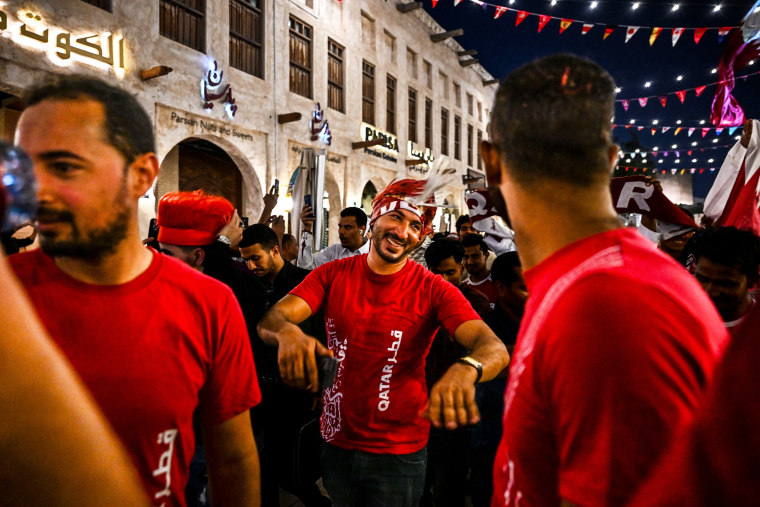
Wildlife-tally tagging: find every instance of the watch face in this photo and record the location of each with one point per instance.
(224, 239)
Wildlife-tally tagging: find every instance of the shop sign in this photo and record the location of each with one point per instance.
(103, 50)
(212, 91)
(416, 152)
(390, 142)
(320, 128)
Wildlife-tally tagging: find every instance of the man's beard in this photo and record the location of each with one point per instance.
(392, 259)
(93, 245)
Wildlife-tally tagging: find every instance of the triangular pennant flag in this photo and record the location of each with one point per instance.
(731, 130)
(654, 153)
(457, 2)
(677, 34)
(705, 131)
(718, 131)
(521, 15)
(435, 2)
(700, 89)
(679, 129)
(691, 131)
(627, 126)
(655, 32)
(630, 32)
(681, 95)
(654, 131)
(698, 33)
(625, 106)
(673, 171)
(678, 154)
(712, 169)
(665, 129)
(608, 30)
(723, 31)
(639, 128)
(615, 126)
(643, 101)
(542, 20)
(663, 100)
(586, 28)
(564, 24)
(701, 171)
(499, 12)
(665, 153)
(689, 152)
(635, 169)
(692, 170)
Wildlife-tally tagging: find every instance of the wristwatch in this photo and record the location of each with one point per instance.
(224, 239)
(474, 363)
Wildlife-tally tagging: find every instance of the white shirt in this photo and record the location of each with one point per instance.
(309, 260)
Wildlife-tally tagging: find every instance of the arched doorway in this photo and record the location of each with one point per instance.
(204, 165)
(368, 194)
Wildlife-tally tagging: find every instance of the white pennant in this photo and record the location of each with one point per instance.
(630, 32)
(677, 34)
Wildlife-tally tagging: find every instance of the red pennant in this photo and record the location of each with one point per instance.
(718, 131)
(700, 89)
(521, 15)
(698, 33)
(654, 131)
(625, 105)
(542, 20)
(499, 12)
(681, 95)
(701, 171)
(689, 152)
(705, 131)
(655, 32)
(608, 30)
(663, 100)
(564, 24)
(586, 28)
(724, 30)
(435, 2)
(643, 101)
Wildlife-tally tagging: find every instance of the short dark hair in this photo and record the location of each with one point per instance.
(127, 126)
(259, 234)
(461, 220)
(288, 239)
(551, 120)
(357, 213)
(441, 249)
(475, 240)
(729, 246)
(502, 269)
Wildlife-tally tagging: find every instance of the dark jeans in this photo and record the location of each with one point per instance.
(357, 478)
(446, 480)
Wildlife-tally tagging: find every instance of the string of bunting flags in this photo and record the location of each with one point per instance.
(673, 171)
(677, 130)
(677, 152)
(565, 23)
(681, 94)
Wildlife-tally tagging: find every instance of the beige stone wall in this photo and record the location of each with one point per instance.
(263, 150)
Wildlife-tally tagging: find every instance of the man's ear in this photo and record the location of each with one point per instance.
(612, 156)
(142, 172)
(199, 255)
(276, 251)
(492, 162)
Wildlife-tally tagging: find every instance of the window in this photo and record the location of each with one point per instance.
(247, 36)
(184, 21)
(480, 138)
(368, 31)
(412, 134)
(469, 104)
(103, 4)
(457, 95)
(390, 104)
(300, 57)
(390, 48)
(444, 84)
(480, 111)
(469, 145)
(335, 76)
(428, 123)
(444, 131)
(428, 73)
(457, 137)
(411, 63)
(368, 93)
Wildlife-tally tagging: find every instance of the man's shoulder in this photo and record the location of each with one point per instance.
(25, 262)
(177, 275)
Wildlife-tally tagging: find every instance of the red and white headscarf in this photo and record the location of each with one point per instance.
(192, 218)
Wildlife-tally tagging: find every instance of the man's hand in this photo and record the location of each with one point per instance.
(746, 133)
(307, 219)
(270, 199)
(452, 399)
(278, 226)
(233, 230)
(297, 358)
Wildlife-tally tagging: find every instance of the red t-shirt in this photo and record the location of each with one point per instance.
(380, 328)
(716, 462)
(616, 347)
(486, 287)
(150, 351)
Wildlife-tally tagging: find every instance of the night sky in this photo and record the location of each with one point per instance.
(502, 47)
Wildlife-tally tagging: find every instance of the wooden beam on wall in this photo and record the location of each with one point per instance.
(467, 63)
(467, 52)
(408, 7)
(489, 82)
(366, 144)
(414, 161)
(440, 37)
(288, 117)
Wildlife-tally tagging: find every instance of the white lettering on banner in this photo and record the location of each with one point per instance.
(165, 461)
(633, 190)
(401, 205)
(385, 380)
(332, 396)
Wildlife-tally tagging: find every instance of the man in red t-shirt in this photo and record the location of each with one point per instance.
(617, 342)
(381, 314)
(154, 340)
(475, 262)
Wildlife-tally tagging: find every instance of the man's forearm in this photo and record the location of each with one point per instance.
(236, 484)
(272, 324)
(492, 354)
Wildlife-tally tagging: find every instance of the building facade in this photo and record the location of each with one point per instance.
(232, 87)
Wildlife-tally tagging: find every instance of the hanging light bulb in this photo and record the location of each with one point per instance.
(618, 90)
(632, 122)
(679, 78)
(717, 8)
(678, 122)
(674, 146)
(694, 143)
(701, 122)
(647, 84)
(675, 7)
(635, 5)
(594, 4)
(655, 122)
(554, 2)
(711, 161)
(715, 140)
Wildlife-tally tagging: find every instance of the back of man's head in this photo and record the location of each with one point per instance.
(127, 126)
(503, 268)
(475, 240)
(259, 234)
(551, 121)
(733, 248)
(357, 213)
(442, 249)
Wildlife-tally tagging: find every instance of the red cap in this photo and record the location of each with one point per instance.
(192, 218)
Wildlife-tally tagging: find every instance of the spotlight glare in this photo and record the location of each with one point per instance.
(594, 4)
(675, 7)
(647, 84)
(635, 5)
(679, 78)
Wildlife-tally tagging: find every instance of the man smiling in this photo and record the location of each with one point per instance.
(381, 314)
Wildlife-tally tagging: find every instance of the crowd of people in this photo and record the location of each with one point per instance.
(218, 364)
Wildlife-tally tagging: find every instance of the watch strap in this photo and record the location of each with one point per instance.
(474, 363)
